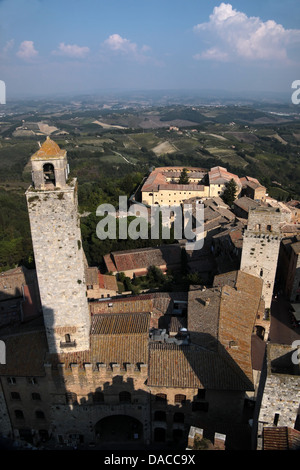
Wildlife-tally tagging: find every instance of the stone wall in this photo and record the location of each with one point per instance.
(278, 397)
(59, 262)
(260, 251)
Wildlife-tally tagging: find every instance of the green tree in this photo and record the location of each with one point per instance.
(229, 194)
(184, 179)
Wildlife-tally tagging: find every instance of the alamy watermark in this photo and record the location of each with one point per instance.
(296, 93)
(187, 222)
(2, 352)
(2, 92)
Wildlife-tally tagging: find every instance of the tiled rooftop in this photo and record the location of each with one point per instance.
(220, 175)
(191, 367)
(25, 354)
(158, 177)
(144, 258)
(280, 438)
(48, 149)
(120, 324)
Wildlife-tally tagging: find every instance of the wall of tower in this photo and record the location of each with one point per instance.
(58, 252)
(261, 242)
(259, 258)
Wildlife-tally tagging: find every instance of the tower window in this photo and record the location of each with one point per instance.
(67, 338)
(161, 397)
(276, 419)
(49, 174)
(71, 398)
(261, 273)
(269, 228)
(180, 399)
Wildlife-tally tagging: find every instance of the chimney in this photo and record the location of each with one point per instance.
(219, 441)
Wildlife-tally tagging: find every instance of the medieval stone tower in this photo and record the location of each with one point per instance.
(59, 257)
(261, 243)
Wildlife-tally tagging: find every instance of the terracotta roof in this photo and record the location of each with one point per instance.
(120, 324)
(48, 149)
(203, 316)
(251, 182)
(116, 339)
(220, 175)
(190, 367)
(91, 276)
(238, 310)
(222, 318)
(25, 354)
(107, 282)
(145, 257)
(157, 302)
(181, 187)
(246, 203)
(120, 349)
(158, 178)
(281, 438)
(12, 282)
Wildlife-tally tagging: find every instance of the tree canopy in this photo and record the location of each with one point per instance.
(229, 194)
(184, 179)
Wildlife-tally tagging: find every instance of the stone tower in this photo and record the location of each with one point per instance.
(260, 251)
(59, 257)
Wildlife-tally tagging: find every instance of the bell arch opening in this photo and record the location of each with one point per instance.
(49, 174)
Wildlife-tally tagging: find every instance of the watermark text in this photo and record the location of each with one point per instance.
(2, 92)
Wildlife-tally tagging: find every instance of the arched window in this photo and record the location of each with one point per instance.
(161, 397)
(180, 398)
(125, 397)
(49, 174)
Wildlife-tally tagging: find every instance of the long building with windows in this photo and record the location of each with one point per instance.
(162, 185)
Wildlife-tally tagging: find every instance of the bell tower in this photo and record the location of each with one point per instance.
(59, 257)
(261, 241)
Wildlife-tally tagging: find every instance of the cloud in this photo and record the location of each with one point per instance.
(27, 51)
(72, 50)
(234, 35)
(120, 45)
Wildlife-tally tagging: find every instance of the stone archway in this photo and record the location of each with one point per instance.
(119, 428)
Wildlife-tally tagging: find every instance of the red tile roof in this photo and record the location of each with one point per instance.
(281, 438)
(158, 178)
(191, 367)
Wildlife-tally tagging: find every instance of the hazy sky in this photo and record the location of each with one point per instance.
(51, 46)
